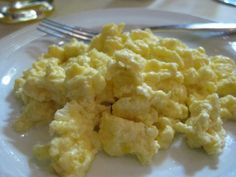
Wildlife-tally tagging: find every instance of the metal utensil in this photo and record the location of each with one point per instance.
(22, 11)
(228, 2)
(213, 27)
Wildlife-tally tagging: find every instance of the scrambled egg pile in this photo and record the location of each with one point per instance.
(125, 93)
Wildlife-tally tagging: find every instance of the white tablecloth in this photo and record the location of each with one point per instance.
(208, 9)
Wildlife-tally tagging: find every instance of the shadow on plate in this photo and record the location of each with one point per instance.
(105, 165)
(129, 3)
(229, 126)
(192, 160)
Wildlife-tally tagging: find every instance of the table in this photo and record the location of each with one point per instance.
(208, 9)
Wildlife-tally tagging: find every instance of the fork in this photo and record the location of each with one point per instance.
(66, 32)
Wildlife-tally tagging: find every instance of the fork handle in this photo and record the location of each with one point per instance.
(217, 27)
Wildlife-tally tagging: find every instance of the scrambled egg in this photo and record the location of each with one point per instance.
(125, 93)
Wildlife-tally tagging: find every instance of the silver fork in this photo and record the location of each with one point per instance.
(66, 32)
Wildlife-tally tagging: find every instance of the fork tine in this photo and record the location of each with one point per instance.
(77, 30)
(66, 33)
(52, 33)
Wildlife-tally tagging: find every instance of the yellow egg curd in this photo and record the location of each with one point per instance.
(125, 93)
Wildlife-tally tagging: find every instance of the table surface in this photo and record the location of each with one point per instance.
(208, 9)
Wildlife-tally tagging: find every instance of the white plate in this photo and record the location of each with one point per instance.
(20, 49)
